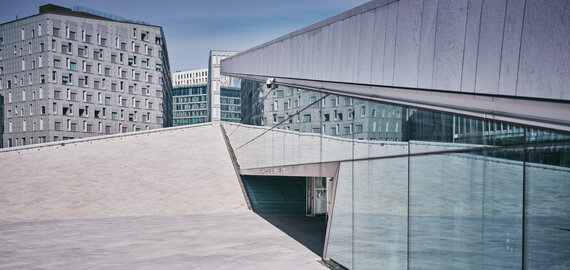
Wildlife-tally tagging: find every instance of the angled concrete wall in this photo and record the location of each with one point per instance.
(513, 48)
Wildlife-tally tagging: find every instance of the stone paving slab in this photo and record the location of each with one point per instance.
(163, 200)
(200, 241)
(181, 171)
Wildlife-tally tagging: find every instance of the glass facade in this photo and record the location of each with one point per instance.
(230, 104)
(417, 189)
(190, 105)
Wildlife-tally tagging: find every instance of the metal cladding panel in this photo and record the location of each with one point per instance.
(279, 65)
(314, 54)
(321, 47)
(490, 45)
(259, 62)
(390, 50)
(345, 26)
(293, 56)
(300, 48)
(318, 59)
(310, 54)
(449, 44)
(337, 45)
(379, 45)
(545, 54)
(353, 47)
(269, 58)
(469, 69)
(287, 57)
(407, 43)
(275, 55)
(304, 56)
(516, 47)
(427, 43)
(329, 52)
(321, 69)
(511, 47)
(280, 61)
(365, 47)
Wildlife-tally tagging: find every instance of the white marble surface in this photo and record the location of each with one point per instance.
(160, 200)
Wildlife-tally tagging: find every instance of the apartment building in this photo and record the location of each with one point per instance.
(67, 73)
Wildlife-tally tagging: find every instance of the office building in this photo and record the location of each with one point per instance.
(190, 77)
(203, 95)
(223, 91)
(190, 97)
(190, 104)
(74, 73)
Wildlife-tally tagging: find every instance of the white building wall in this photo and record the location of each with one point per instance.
(190, 77)
(214, 83)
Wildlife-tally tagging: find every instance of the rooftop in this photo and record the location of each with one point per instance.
(146, 199)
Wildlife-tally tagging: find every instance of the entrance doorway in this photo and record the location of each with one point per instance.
(295, 205)
(316, 196)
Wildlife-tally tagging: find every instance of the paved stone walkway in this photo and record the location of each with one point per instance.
(161, 200)
(200, 241)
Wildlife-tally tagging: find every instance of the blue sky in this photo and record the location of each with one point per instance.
(193, 28)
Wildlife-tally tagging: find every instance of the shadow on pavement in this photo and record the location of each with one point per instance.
(309, 231)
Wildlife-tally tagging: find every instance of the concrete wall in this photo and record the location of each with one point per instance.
(513, 48)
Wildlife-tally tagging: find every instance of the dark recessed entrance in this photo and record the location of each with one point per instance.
(291, 204)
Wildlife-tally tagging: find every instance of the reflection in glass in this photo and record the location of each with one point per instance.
(340, 238)
(418, 189)
(465, 211)
(381, 214)
(547, 215)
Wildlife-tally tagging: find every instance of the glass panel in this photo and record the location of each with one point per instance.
(381, 214)
(547, 215)
(438, 131)
(465, 204)
(340, 239)
(466, 211)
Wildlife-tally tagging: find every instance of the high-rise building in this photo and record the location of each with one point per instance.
(74, 73)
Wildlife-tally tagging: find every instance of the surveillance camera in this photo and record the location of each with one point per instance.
(269, 82)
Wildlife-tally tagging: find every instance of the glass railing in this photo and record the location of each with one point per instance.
(418, 189)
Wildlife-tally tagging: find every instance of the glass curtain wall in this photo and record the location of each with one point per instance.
(418, 189)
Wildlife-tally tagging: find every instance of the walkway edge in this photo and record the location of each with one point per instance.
(235, 164)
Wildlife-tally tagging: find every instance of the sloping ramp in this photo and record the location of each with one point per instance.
(170, 171)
